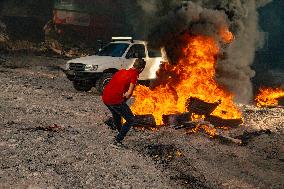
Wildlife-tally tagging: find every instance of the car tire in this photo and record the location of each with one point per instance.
(82, 86)
(103, 81)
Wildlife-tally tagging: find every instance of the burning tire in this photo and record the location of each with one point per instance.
(103, 81)
(82, 86)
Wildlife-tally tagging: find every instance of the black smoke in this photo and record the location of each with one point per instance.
(205, 17)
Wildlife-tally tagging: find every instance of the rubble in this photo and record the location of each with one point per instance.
(51, 46)
(247, 136)
(206, 122)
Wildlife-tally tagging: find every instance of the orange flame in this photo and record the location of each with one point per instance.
(226, 35)
(269, 96)
(210, 131)
(192, 76)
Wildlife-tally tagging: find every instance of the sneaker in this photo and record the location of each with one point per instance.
(118, 144)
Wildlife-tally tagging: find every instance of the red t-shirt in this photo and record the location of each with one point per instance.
(118, 85)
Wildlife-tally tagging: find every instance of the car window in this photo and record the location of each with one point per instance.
(136, 51)
(113, 49)
(153, 53)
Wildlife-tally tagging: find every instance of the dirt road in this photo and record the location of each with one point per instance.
(52, 136)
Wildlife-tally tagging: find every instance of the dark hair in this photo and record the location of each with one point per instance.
(139, 63)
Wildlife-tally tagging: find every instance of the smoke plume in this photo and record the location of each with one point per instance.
(168, 19)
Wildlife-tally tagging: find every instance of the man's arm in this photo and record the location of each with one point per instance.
(128, 94)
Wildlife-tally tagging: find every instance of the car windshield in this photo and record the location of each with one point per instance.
(113, 49)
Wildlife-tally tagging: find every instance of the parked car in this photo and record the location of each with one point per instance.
(97, 70)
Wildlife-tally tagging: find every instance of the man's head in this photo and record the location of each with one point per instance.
(139, 64)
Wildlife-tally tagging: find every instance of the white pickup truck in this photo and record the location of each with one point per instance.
(97, 70)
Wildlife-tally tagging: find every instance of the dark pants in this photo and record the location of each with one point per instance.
(119, 111)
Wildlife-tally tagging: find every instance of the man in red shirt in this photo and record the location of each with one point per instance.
(117, 92)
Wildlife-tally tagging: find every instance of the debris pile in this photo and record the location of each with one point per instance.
(196, 119)
(51, 45)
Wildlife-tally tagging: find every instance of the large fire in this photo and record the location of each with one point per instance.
(269, 96)
(192, 76)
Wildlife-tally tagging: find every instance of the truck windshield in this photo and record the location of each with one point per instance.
(113, 49)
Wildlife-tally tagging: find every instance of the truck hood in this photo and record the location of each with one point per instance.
(95, 60)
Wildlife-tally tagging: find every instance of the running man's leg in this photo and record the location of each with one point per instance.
(125, 112)
(116, 117)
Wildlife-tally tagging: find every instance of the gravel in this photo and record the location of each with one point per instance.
(52, 136)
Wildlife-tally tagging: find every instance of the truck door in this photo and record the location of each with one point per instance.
(135, 51)
(153, 60)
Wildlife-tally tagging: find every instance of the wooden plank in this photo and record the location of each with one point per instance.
(147, 120)
(217, 121)
(216, 134)
(195, 105)
(227, 138)
(185, 125)
(176, 119)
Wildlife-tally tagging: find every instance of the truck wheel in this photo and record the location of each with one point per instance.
(82, 86)
(102, 82)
